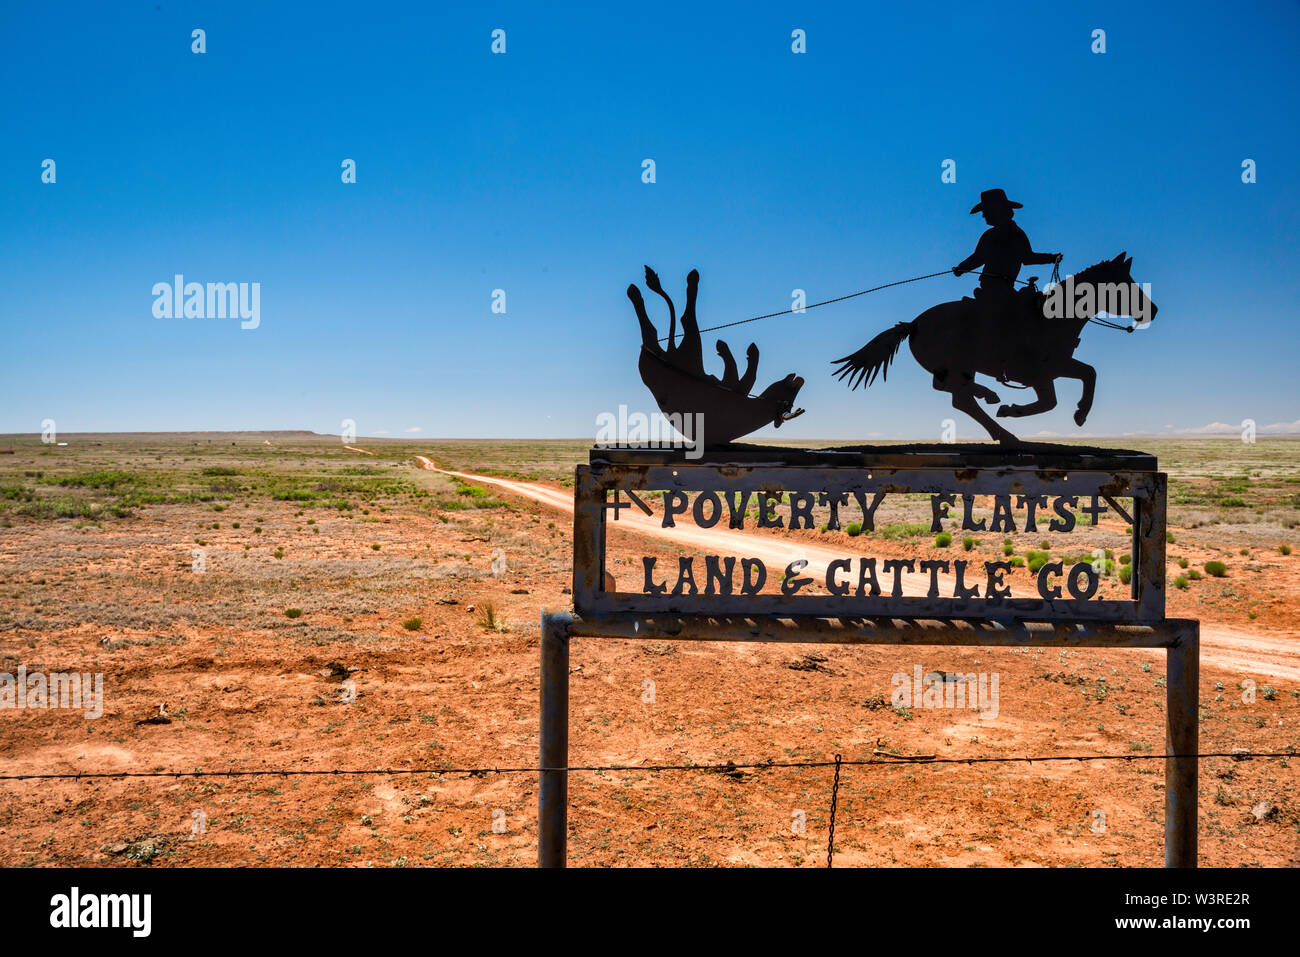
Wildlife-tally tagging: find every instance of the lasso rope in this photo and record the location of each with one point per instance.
(1056, 278)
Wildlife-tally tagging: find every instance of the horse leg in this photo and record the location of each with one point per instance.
(1046, 401)
(1077, 369)
(963, 398)
(984, 392)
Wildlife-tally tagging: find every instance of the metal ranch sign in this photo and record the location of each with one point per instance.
(810, 491)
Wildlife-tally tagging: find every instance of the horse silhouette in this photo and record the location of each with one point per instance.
(956, 340)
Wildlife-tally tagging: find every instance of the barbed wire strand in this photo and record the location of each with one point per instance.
(728, 767)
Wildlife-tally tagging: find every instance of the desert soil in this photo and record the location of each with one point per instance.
(376, 607)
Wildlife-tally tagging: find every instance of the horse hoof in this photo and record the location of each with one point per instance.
(1004, 411)
(1080, 417)
(991, 398)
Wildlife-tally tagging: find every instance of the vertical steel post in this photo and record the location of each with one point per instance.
(1182, 737)
(553, 786)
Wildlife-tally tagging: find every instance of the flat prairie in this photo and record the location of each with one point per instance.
(261, 603)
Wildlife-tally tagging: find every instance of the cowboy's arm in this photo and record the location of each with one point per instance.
(1042, 259)
(977, 258)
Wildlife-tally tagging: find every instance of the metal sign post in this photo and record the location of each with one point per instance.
(1064, 612)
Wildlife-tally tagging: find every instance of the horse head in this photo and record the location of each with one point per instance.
(1105, 287)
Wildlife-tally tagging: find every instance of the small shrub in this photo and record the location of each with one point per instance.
(1180, 581)
(1125, 574)
(413, 624)
(1045, 545)
(375, 547)
(968, 543)
(1194, 574)
(1183, 563)
(1008, 549)
(1284, 549)
(488, 617)
(1125, 559)
(1169, 537)
(1017, 562)
(854, 529)
(1217, 569)
(944, 539)
(293, 613)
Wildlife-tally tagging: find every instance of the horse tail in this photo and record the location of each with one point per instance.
(874, 358)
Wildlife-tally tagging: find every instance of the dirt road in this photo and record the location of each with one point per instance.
(1234, 650)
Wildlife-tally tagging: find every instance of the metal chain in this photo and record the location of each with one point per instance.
(835, 797)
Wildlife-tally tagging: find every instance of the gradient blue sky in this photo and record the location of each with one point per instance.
(523, 171)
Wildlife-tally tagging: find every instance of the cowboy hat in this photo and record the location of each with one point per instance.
(994, 197)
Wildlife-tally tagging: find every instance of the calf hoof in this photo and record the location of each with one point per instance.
(1006, 410)
(991, 397)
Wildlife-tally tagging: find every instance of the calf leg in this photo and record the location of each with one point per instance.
(649, 334)
(730, 378)
(690, 353)
(751, 369)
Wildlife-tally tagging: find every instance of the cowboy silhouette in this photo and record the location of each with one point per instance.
(1002, 250)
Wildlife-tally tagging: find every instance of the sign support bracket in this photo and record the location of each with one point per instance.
(1179, 637)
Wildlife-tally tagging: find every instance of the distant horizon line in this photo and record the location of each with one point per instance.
(407, 439)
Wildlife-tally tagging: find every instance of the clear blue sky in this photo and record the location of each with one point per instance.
(523, 172)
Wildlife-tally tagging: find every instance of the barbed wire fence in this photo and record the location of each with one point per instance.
(838, 762)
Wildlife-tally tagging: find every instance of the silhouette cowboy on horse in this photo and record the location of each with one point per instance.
(1002, 250)
(1001, 332)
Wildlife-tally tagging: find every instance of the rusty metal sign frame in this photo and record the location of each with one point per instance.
(591, 507)
(883, 620)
